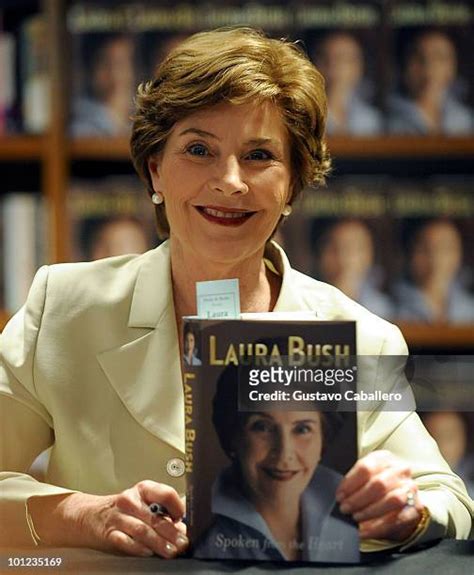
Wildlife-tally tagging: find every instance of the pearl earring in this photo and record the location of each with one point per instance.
(157, 198)
(287, 210)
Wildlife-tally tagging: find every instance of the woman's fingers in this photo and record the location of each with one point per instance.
(394, 500)
(396, 525)
(381, 495)
(362, 471)
(131, 527)
(152, 492)
(181, 527)
(376, 488)
(136, 500)
(127, 545)
(173, 533)
(162, 539)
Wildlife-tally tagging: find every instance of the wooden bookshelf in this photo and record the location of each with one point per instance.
(401, 147)
(19, 148)
(4, 317)
(100, 149)
(438, 335)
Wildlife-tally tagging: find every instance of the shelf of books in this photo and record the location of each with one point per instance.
(396, 219)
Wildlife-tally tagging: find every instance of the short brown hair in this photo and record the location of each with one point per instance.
(235, 65)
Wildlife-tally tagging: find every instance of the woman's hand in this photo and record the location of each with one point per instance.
(381, 496)
(120, 523)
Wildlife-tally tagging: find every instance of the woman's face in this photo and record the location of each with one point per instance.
(113, 72)
(189, 343)
(225, 176)
(341, 63)
(347, 254)
(432, 65)
(437, 254)
(119, 237)
(278, 452)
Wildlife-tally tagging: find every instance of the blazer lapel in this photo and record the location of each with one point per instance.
(291, 297)
(146, 372)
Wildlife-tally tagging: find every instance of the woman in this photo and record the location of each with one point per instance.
(276, 495)
(190, 350)
(105, 237)
(340, 58)
(346, 260)
(225, 136)
(429, 104)
(105, 107)
(432, 291)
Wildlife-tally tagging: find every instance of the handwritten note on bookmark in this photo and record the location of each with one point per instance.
(218, 299)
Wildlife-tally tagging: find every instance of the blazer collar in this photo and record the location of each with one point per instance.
(290, 298)
(152, 295)
(146, 372)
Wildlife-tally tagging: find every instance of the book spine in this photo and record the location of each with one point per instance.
(19, 244)
(7, 78)
(190, 386)
(35, 82)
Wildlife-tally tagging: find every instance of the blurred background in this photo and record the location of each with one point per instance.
(392, 228)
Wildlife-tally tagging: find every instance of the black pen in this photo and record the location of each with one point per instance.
(159, 510)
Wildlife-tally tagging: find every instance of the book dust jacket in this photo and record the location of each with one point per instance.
(269, 437)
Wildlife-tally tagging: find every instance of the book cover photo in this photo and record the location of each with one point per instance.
(268, 439)
(432, 88)
(346, 43)
(109, 217)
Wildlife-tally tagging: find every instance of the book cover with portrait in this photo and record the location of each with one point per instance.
(106, 69)
(433, 227)
(344, 235)
(109, 217)
(431, 84)
(269, 436)
(345, 41)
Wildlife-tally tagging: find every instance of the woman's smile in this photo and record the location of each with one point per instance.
(225, 216)
(280, 474)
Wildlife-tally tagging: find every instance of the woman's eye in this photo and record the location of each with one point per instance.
(302, 429)
(260, 426)
(260, 155)
(197, 150)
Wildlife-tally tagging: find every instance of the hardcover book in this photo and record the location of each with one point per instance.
(269, 437)
(22, 237)
(35, 74)
(109, 217)
(7, 79)
(431, 43)
(345, 42)
(387, 241)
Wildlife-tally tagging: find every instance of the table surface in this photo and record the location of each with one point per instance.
(445, 558)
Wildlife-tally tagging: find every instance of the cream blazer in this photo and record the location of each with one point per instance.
(90, 367)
